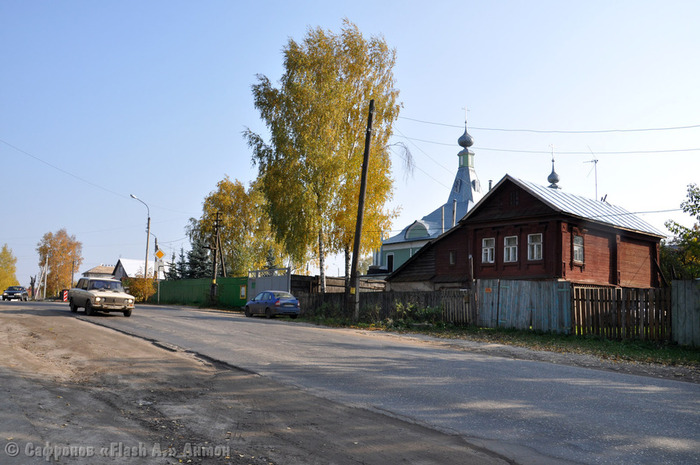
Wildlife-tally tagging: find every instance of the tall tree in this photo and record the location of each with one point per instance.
(8, 268)
(182, 265)
(199, 264)
(64, 254)
(680, 259)
(171, 273)
(244, 227)
(309, 170)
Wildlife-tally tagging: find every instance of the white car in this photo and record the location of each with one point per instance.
(100, 294)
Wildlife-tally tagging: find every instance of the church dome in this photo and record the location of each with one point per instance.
(553, 177)
(465, 140)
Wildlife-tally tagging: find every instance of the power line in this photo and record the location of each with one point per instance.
(82, 179)
(555, 131)
(624, 152)
(638, 213)
(425, 153)
(62, 170)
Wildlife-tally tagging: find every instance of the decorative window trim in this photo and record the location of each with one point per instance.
(580, 257)
(488, 252)
(535, 247)
(510, 251)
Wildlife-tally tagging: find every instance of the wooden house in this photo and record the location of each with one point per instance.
(521, 230)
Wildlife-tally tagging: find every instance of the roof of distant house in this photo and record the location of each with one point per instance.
(100, 269)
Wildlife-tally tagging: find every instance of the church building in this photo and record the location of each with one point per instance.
(465, 193)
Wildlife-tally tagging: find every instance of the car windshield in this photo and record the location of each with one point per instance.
(283, 295)
(107, 285)
(14, 288)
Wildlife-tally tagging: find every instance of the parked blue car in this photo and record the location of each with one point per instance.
(271, 303)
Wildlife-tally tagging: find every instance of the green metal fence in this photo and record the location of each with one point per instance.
(231, 292)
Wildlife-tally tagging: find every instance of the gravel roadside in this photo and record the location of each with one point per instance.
(73, 392)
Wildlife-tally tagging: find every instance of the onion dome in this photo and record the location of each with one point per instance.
(553, 177)
(465, 140)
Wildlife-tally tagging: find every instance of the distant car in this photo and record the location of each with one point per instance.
(271, 303)
(15, 292)
(100, 294)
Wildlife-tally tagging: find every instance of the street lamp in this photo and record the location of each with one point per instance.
(148, 234)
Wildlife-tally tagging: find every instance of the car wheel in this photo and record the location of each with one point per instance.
(268, 313)
(127, 313)
(88, 308)
(247, 312)
(73, 308)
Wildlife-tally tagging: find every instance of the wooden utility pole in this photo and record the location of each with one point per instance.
(354, 276)
(214, 291)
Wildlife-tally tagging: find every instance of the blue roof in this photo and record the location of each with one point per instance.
(463, 195)
(582, 207)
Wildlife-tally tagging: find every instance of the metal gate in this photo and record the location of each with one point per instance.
(278, 279)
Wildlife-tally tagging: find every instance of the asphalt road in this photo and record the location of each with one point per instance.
(532, 412)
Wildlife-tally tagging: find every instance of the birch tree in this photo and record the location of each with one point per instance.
(309, 169)
(244, 227)
(8, 268)
(64, 254)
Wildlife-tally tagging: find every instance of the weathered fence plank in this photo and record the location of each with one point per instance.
(685, 316)
(520, 304)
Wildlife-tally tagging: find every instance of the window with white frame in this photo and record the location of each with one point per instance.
(534, 246)
(488, 250)
(578, 249)
(510, 249)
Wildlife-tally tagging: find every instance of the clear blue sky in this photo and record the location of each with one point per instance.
(102, 99)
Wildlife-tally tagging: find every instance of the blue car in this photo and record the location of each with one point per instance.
(271, 303)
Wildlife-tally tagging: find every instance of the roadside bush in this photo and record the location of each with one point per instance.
(141, 288)
(411, 314)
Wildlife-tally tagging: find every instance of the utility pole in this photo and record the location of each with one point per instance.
(354, 276)
(46, 272)
(220, 249)
(214, 291)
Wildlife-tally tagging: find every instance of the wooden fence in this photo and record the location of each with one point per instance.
(622, 313)
(520, 304)
(456, 305)
(666, 314)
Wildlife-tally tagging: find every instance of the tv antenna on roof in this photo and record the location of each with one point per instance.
(595, 168)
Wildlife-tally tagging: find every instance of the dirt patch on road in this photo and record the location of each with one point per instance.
(73, 392)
